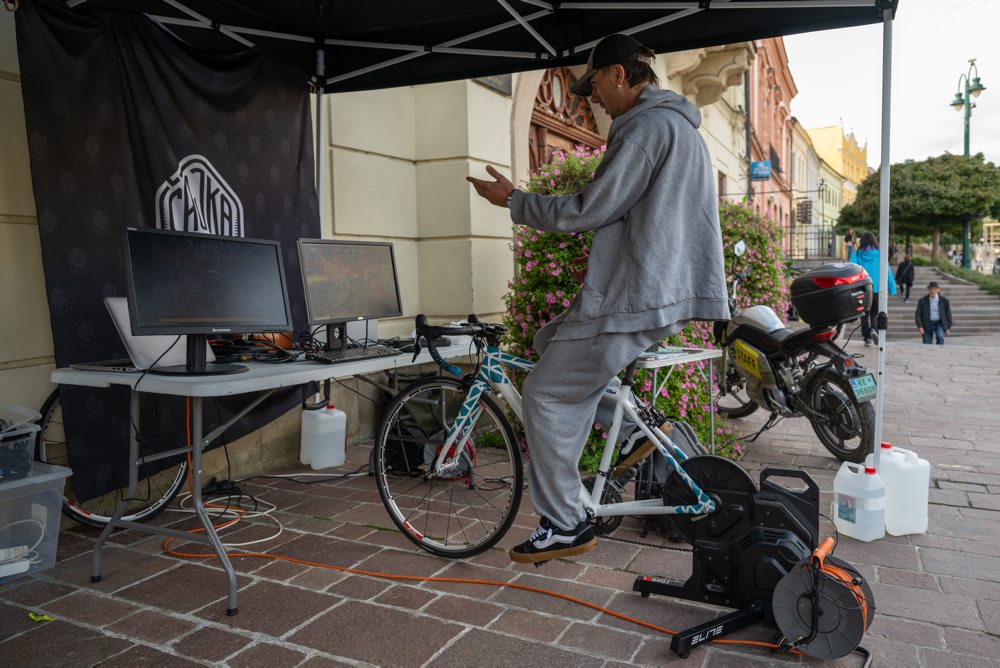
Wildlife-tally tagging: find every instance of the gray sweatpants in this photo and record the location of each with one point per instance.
(560, 399)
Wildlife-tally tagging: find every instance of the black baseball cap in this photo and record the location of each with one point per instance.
(933, 284)
(612, 50)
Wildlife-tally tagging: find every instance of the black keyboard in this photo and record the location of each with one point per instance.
(352, 354)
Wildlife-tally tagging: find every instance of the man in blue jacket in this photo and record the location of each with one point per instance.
(933, 316)
(655, 264)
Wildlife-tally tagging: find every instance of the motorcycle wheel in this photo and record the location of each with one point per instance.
(849, 431)
(736, 403)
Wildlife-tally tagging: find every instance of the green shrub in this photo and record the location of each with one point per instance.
(542, 288)
(989, 282)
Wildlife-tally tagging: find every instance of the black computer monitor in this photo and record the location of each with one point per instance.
(348, 280)
(202, 284)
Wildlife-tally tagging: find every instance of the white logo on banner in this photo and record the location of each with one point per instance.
(196, 198)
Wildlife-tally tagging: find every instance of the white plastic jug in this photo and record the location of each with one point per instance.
(907, 478)
(859, 502)
(324, 437)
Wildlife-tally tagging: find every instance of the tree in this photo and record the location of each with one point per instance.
(929, 197)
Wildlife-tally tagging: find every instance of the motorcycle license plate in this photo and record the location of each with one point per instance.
(746, 358)
(863, 387)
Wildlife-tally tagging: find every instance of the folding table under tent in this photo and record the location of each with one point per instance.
(351, 45)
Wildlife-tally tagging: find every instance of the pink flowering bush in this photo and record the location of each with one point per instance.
(767, 282)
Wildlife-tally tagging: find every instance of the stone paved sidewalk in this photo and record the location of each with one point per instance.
(938, 595)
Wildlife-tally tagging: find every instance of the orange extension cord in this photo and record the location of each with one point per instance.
(394, 576)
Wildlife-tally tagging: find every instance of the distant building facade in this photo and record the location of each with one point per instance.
(810, 238)
(845, 155)
(772, 89)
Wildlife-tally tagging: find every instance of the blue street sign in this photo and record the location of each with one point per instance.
(760, 171)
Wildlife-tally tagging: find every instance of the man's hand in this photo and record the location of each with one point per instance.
(946, 332)
(496, 192)
(920, 329)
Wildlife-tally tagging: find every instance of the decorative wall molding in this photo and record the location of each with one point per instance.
(716, 69)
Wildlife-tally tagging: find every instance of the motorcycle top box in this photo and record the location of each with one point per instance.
(832, 294)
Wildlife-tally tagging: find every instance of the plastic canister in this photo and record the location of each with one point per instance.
(907, 478)
(859, 502)
(324, 437)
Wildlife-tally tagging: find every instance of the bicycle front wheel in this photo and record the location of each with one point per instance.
(468, 509)
(157, 490)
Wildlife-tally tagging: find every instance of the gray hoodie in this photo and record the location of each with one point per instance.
(656, 258)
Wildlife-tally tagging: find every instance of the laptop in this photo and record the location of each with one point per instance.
(143, 351)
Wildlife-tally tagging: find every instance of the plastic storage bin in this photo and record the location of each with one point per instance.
(30, 515)
(18, 435)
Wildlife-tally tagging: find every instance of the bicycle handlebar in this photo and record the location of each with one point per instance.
(430, 332)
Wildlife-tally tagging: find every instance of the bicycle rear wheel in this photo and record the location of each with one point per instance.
(466, 511)
(156, 490)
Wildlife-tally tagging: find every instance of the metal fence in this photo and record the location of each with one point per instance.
(809, 242)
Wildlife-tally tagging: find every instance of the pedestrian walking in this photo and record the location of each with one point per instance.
(849, 240)
(904, 277)
(933, 316)
(867, 256)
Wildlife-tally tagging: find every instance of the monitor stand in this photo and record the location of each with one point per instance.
(336, 336)
(197, 364)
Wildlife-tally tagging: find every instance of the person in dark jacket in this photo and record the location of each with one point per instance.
(904, 277)
(933, 315)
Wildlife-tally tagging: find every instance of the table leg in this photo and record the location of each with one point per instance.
(197, 445)
(133, 488)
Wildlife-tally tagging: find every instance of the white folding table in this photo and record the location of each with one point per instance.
(671, 361)
(261, 377)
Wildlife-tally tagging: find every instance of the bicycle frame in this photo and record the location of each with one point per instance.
(491, 378)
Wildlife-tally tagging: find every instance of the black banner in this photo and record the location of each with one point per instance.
(128, 126)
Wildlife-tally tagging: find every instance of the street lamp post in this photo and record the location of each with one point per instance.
(963, 99)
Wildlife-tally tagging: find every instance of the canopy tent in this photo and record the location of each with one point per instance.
(349, 45)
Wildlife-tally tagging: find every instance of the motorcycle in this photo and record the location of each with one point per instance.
(802, 372)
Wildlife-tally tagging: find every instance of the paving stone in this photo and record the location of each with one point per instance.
(403, 596)
(662, 563)
(316, 579)
(530, 625)
(210, 644)
(990, 611)
(119, 569)
(612, 579)
(360, 587)
(409, 562)
(35, 592)
(57, 643)
(889, 654)
(13, 620)
(322, 662)
(89, 608)
(464, 610)
(271, 608)
(926, 606)
(947, 562)
(598, 639)
(464, 570)
(265, 654)
(905, 631)
(972, 588)
(895, 576)
(182, 589)
(937, 657)
(347, 631)
(479, 647)
(327, 550)
(140, 655)
(948, 497)
(729, 658)
(962, 486)
(530, 600)
(662, 611)
(967, 642)
(152, 627)
(959, 544)
(656, 652)
(985, 501)
(609, 554)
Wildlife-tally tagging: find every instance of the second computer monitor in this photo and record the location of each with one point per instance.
(348, 280)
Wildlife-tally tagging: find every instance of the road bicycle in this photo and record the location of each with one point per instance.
(449, 466)
(157, 489)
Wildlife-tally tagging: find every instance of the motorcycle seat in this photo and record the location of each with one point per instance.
(774, 341)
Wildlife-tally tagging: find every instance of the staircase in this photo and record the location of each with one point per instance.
(975, 311)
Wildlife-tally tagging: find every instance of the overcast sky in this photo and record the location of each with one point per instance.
(838, 74)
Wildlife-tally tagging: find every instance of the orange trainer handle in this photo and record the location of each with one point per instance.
(824, 549)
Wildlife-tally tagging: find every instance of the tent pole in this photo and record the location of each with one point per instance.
(883, 231)
(320, 152)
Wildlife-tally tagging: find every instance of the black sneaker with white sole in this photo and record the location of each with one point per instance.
(550, 542)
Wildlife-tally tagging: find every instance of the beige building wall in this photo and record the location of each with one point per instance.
(25, 336)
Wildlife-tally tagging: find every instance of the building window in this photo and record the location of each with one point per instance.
(722, 184)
